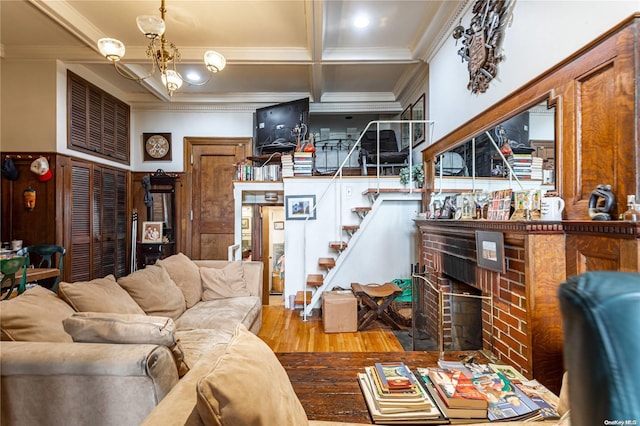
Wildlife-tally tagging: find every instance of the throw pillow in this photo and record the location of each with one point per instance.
(248, 386)
(186, 275)
(154, 290)
(34, 316)
(99, 295)
(224, 282)
(95, 327)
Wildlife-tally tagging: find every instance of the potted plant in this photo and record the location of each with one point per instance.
(417, 175)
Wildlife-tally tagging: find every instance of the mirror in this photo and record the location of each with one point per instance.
(517, 155)
(163, 207)
(505, 151)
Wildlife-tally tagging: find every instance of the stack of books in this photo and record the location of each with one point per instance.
(302, 163)
(393, 396)
(287, 165)
(480, 392)
(455, 394)
(526, 166)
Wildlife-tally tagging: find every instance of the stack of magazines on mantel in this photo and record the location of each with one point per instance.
(454, 393)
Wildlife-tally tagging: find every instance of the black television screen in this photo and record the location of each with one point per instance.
(275, 126)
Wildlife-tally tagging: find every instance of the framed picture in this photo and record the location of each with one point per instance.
(490, 250)
(151, 232)
(245, 223)
(278, 226)
(417, 113)
(404, 127)
(300, 207)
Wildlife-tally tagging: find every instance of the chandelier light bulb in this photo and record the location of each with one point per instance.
(111, 48)
(151, 26)
(171, 80)
(214, 61)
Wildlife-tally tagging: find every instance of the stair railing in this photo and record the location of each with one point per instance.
(338, 177)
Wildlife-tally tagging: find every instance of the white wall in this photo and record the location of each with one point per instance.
(181, 124)
(542, 34)
(384, 252)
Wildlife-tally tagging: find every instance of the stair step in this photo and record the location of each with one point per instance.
(299, 300)
(326, 262)
(350, 228)
(361, 209)
(338, 245)
(315, 280)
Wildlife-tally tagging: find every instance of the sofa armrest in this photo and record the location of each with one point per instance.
(252, 270)
(82, 380)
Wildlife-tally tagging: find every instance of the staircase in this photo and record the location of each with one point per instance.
(343, 249)
(322, 280)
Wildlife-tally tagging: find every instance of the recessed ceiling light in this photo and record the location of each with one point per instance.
(361, 21)
(193, 76)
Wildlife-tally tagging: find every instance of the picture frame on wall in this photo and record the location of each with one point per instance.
(278, 225)
(490, 250)
(404, 128)
(300, 207)
(151, 232)
(418, 113)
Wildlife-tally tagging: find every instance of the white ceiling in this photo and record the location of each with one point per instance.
(276, 50)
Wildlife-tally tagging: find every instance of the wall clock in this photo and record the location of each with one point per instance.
(156, 146)
(482, 41)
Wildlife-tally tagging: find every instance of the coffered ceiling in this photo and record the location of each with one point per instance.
(276, 50)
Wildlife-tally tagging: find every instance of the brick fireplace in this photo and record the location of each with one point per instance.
(514, 316)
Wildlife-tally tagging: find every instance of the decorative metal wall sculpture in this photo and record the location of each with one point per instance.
(482, 41)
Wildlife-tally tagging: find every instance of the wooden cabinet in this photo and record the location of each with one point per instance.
(98, 122)
(97, 226)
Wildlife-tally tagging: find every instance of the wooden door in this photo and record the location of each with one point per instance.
(211, 169)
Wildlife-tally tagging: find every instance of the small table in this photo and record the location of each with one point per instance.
(327, 382)
(37, 274)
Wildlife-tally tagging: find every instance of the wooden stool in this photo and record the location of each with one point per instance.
(375, 300)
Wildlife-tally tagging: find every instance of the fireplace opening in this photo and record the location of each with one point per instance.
(447, 314)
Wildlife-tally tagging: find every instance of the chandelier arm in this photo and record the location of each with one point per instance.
(128, 77)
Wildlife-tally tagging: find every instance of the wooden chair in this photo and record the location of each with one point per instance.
(9, 267)
(375, 300)
(46, 253)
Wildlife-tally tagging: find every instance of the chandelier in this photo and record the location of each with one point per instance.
(163, 54)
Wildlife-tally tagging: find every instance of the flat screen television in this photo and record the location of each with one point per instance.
(275, 126)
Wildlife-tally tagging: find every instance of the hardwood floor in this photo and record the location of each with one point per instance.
(285, 331)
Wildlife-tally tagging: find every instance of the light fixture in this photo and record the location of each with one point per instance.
(163, 54)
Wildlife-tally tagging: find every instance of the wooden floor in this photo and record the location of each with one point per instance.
(285, 331)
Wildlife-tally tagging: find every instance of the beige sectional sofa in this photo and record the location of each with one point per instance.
(47, 378)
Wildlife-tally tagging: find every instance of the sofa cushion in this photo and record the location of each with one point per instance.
(222, 314)
(35, 316)
(186, 275)
(224, 282)
(98, 327)
(99, 295)
(248, 386)
(154, 290)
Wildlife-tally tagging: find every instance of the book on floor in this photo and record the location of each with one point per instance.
(506, 401)
(456, 389)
